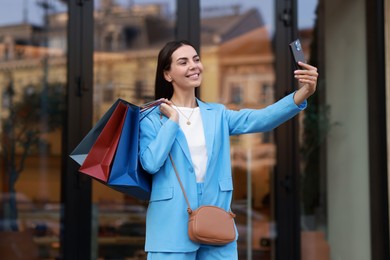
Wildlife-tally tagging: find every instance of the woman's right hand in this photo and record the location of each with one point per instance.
(167, 109)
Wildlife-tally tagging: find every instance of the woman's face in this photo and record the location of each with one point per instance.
(186, 69)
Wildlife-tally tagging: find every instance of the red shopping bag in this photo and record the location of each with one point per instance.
(99, 159)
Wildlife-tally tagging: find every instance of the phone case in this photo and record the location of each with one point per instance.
(297, 53)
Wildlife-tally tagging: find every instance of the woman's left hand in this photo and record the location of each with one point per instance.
(307, 78)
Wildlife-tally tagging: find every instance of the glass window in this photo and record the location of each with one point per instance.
(128, 37)
(32, 88)
(236, 50)
(314, 126)
(336, 139)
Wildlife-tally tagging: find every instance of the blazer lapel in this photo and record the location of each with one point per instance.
(208, 119)
(181, 140)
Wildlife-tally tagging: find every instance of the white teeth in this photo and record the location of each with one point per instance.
(194, 76)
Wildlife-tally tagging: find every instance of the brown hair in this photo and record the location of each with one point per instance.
(162, 87)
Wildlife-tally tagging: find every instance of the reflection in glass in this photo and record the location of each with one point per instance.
(237, 54)
(314, 128)
(128, 37)
(32, 89)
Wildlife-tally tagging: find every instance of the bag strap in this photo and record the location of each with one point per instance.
(189, 210)
(149, 106)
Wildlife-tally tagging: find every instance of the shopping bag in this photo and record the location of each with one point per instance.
(116, 165)
(127, 175)
(82, 149)
(98, 162)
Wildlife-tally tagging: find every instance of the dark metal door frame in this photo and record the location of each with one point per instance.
(286, 177)
(188, 21)
(377, 118)
(188, 24)
(76, 189)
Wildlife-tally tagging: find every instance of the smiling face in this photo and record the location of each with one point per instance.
(185, 72)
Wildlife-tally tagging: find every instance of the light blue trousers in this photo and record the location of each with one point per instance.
(205, 252)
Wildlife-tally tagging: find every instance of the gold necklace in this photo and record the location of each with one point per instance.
(188, 118)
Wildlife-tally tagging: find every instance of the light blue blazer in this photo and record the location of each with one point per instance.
(166, 220)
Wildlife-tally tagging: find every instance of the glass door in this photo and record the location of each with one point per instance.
(33, 60)
(236, 50)
(314, 128)
(127, 38)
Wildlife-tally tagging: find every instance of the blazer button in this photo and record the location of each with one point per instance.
(191, 169)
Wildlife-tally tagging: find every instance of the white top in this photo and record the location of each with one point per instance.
(195, 139)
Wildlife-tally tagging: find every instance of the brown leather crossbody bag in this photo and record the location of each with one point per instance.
(209, 225)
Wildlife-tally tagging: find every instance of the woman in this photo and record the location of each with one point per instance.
(196, 135)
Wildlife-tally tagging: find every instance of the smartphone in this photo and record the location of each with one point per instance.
(297, 53)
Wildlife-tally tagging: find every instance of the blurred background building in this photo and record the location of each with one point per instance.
(245, 67)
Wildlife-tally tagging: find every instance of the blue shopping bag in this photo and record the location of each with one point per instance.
(127, 175)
